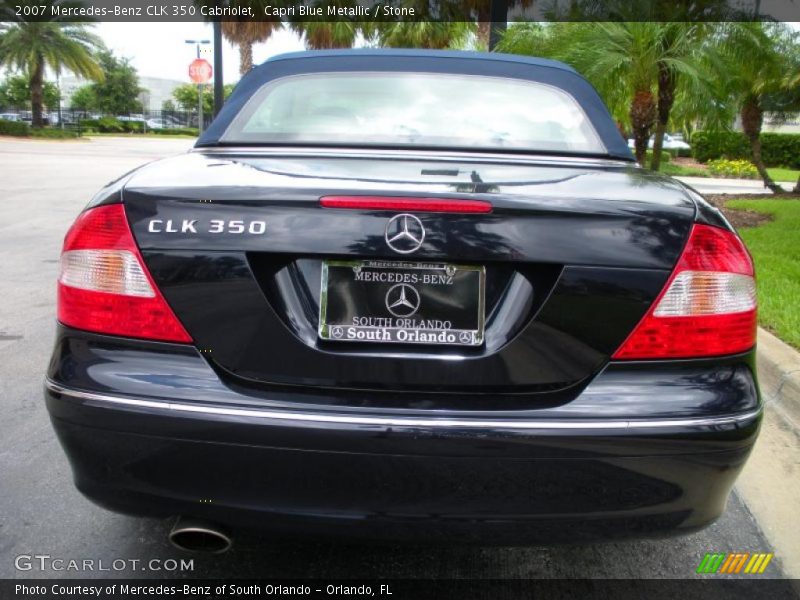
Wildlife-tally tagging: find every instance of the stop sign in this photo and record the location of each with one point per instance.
(200, 70)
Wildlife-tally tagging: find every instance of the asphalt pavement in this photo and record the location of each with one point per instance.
(43, 186)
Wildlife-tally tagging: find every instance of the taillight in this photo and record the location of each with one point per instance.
(104, 285)
(707, 307)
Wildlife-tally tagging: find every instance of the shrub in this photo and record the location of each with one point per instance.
(22, 129)
(55, 133)
(132, 126)
(708, 145)
(781, 149)
(777, 149)
(666, 157)
(89, 125)
(110, 125)
(737, 169)
(192, 131)
(16, 128)
(102, 125)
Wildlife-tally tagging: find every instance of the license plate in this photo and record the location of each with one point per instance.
(394, 302)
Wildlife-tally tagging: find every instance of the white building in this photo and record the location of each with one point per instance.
(791, 124)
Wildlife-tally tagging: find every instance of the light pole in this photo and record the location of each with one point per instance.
(199, 85)
(58, 86)
(218, 89)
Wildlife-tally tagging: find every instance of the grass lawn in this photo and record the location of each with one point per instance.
(781, 174)
(775, 247)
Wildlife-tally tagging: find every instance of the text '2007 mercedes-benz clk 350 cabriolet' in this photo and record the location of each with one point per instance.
(409, 296)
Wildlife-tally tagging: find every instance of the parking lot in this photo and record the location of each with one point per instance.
(44, 185)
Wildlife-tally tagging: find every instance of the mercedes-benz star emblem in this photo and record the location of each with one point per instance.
(404, 233)
(402, 300)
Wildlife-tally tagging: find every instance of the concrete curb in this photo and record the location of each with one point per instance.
(779, 377)
(769, 485)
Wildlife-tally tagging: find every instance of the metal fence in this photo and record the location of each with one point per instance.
(81, 119)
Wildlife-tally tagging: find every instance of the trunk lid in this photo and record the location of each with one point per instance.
(573, 252)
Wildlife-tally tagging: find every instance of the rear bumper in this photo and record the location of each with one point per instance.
(544, 476)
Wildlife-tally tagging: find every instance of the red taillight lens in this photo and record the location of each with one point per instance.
(104, 286)
(406, 204)
(708, 306)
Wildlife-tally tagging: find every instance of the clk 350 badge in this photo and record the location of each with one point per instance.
(213, 226)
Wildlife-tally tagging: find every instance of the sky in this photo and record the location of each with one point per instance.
(160, 50)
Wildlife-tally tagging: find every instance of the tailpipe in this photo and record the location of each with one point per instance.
(196, 535)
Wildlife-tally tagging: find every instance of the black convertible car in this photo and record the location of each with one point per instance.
(410, 296)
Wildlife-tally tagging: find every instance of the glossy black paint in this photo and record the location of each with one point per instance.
(491, 485)
(591, 215)
(478, 499)
(643, 390)
(574, 255)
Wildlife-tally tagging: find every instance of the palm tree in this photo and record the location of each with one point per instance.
(620, 59)
(793, 85)
(684, 55)
(638, 67)
(424, 34)
(757, 67)
(326, 35)
(481, 11)
(246, 33)
(30, 47)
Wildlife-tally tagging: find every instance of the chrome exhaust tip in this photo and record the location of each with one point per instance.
(195, 535)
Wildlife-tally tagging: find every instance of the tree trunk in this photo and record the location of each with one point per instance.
(666, 98)
(245, 57)
(752, 118)
(643, 114)
(484, 33)
(37, 92)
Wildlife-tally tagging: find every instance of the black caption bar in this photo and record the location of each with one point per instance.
(411, 589)
(374, 11)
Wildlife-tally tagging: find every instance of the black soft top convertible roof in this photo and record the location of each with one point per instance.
(424, 61)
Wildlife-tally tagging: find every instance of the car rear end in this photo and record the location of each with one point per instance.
(406, 343)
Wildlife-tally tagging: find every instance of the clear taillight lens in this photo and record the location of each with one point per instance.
(694, 293)
(109, 271)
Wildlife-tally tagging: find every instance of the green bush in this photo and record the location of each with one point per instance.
(193, 131)
(55, 133)
(737, 169)
(665, 157)
(89, 125)
(132, 126)
(102, 125)
(110, 125)
(708, 145)
(16, 128)
(781, 149)
(22, 129)
(777, 149)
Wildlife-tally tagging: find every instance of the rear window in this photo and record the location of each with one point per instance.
(415, 109)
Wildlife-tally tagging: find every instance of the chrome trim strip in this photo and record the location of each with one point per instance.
(399, 421)
(411, 154)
